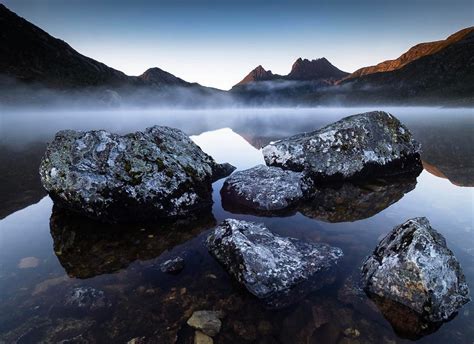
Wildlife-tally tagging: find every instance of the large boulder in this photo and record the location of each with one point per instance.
(157, 173)
(370, 144)
(413, 267)
(265, 189)
(276, 269)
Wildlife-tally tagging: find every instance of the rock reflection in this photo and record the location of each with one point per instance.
(405, 322)
(343, 202)
(87, 248)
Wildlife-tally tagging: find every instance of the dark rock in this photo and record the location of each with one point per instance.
(275, 269)
(87, 248)
(173, 266)
(371, 144)
(413, 269)
(264, 188)
(133, 177)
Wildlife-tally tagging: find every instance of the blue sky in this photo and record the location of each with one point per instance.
(216, 43)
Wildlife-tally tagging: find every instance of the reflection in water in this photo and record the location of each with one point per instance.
(86, 248)
(405, 322)
(345, 202)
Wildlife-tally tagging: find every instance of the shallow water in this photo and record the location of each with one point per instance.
(45, 253)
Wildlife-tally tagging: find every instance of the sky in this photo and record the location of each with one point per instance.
(217, 43)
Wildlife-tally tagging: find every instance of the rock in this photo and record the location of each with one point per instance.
(269, 266)
(133, 177)
(370, 144)
(264, 188)
(245, 331)
(87, 248)
(173, 266)
(201, 338)
(412, 266)
(206, 321)
(87, 298)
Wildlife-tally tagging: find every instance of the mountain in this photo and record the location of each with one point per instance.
(31, 55)
(414, 53)
(258, 74)
(440, 72)
(319, 70)
(305, 70)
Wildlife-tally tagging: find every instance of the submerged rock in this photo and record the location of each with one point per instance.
(264, 188)
(172, 266)
(157, 173)
(206, 321)
(413, 267)
(87, 298)
(271, 267)
(370, 144)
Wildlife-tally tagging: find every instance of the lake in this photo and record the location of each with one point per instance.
(45, 252)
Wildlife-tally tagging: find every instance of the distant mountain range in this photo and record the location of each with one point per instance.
(440, 72)
(302, 70)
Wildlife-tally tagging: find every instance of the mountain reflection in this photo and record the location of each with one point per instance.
(86, 248)
(345, 202)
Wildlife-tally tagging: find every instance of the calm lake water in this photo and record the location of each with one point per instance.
(46, 253)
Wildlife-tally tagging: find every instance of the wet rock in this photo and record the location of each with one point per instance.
(370, 144)
(275, 269)
(173, 266)
(264, 188)
(87, 248)
(87, 298)
(412, 267)
(206, 321)
(132, 177)
(201, 338)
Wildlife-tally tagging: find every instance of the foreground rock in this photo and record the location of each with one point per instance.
(264, 188)
(157, 173)
(413, 271)
(275, 269)
(371, 144)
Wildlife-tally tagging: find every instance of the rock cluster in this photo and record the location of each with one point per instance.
(412, 268)
(268, 265)
(133, 177)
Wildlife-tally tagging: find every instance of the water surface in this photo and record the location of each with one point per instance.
(45, 252)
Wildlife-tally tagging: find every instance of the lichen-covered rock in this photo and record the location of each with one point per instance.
(271, 267)
(157, 173)
(365, 145)
(264, 188)
(412, 266)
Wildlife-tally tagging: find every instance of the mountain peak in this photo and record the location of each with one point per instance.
(257, 74)
(157, 76)
(304, 69)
